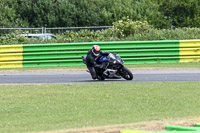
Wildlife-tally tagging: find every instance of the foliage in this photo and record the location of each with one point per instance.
(73, 13)
(126, 27)
(123, 30)
(181, 13)
(165, 34)
(104, 35)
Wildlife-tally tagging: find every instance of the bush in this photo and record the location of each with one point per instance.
(123, 30)
(126, 27)
(166, 34)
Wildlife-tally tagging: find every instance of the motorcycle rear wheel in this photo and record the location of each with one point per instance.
(126, 73)
(100, 77)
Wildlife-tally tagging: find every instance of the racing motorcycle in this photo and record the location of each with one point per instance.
(112, 68)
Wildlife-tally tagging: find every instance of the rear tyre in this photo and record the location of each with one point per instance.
(126, 73)
(100, 77)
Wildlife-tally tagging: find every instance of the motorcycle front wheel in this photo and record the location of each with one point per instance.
(126, 73)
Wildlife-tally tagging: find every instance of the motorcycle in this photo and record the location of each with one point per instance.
(112, 68)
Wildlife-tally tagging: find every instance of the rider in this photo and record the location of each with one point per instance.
(91, 59)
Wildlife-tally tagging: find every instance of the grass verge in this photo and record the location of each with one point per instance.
(133, 67)
(44, 107)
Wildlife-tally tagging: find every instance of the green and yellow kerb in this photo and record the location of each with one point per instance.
(69, 54)
(11, 56)
(189, 51)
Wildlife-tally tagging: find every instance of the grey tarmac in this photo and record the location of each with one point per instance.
(83, 76)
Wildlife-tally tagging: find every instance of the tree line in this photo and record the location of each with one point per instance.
(77, 13)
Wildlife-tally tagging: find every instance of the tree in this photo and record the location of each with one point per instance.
(181, 13)
(8, 16)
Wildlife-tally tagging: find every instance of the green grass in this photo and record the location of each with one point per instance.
(134, 66)
(195, 65)
(43, 107)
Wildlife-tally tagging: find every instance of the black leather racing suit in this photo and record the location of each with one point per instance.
(91, 62)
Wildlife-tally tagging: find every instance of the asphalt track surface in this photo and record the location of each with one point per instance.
(82, 77)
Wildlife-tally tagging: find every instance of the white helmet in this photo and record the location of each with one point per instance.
(96, 50)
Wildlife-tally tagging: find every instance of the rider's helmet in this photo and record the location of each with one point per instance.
(95, 50)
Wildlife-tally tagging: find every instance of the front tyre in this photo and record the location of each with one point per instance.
(126, 74)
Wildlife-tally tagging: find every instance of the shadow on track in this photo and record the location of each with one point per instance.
(99, 81)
